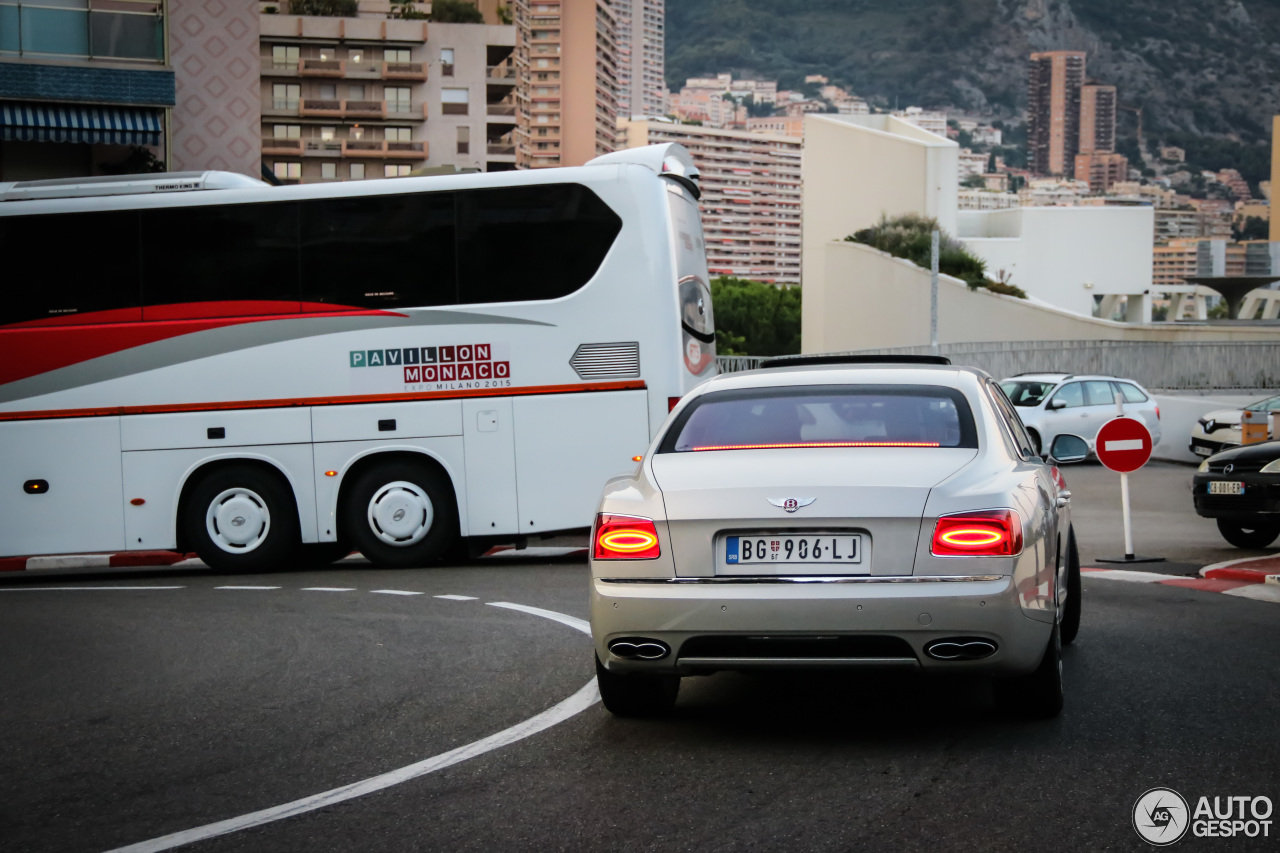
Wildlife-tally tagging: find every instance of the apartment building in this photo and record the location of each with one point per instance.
(1097, 161)
(566, 82)
(372, 97)
(1174, 261)
(1053, 111)
(933, 121)
(1189, 223)
(777, 125)
(641, 59)
(90, 89)
(750, 195)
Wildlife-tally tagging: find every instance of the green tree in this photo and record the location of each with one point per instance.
(324, 8)
(974, 182)
(755, 318)
(455, 12)
(1253, 228)
(406, 10)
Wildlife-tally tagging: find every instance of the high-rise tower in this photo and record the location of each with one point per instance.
(1053, 111)
(641, 50)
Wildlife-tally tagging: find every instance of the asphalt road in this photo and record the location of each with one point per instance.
(131, 714)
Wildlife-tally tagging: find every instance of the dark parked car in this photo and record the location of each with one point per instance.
(1241, 489)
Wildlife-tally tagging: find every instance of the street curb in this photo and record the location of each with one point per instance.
(124, 560)
(1248, 588)
(1247, 569)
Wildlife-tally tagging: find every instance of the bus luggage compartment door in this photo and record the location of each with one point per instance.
(567, 446)
(80, 506)
(488, 435)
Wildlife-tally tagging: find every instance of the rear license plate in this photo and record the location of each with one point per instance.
(1226, 487)
(1201, 451)
(799, 550)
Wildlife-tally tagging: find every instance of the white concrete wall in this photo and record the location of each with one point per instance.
(857, 169)
(873, 300)
(1054, 252)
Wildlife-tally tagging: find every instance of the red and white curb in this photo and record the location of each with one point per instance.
(1257, 578)
(139, 559)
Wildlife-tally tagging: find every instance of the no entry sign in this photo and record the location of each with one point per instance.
(1123, 444)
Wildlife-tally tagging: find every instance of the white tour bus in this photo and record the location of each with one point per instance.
(201, 362)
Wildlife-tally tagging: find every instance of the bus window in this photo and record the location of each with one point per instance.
(70, 268)
(526, 243)
(382, 251)
(220, 260)
(697, 321)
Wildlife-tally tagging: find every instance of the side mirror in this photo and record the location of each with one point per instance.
(1068, 448)
(1055, 403)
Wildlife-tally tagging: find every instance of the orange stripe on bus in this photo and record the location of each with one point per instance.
(517, 391)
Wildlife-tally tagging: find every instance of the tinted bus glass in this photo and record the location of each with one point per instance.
(524, 243)
(824, 416)
(244, 256)
(390, 251)
(60, 267)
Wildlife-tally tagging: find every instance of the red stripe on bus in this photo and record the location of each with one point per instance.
(518, 391)
(29, 350)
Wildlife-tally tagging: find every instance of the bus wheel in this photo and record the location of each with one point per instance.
(241, 518)
(400, 513)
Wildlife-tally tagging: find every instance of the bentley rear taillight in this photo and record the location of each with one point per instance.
(625, 537)
(989, 533)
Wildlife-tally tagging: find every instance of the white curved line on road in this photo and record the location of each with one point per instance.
(575, 704)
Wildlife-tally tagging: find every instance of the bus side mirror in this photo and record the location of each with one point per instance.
(1068, 448)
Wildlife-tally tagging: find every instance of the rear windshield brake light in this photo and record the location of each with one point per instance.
(819, 444)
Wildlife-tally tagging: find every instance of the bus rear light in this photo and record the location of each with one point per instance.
(331, 473)
(990, 533)
(672, 402)
(625, 537)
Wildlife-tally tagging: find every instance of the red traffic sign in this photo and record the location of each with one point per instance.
(1123, 444)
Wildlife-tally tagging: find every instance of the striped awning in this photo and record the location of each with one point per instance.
(27, 122)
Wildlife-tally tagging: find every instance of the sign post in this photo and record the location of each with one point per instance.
(1124, 445)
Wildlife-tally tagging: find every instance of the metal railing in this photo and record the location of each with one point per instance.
(1168, 365)
(98, 29)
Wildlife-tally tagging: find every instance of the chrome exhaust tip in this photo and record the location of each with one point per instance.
(639, 648)
(960, 648)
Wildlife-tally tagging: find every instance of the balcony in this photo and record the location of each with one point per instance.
(350, 69)
(352, 109)
(131, 30)
(501, 149)
(276, 145)
(502, 74)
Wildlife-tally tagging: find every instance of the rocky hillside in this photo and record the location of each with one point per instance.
(1195, 67)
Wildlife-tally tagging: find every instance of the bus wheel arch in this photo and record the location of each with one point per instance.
(399, 508)
(238, 515)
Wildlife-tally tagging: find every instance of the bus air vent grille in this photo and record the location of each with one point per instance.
(607, 361)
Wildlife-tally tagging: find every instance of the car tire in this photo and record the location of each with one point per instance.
(1036, 696)
(636, 695)
(400, 513)
(1250, 534)
(1071, 613)
(241, 518)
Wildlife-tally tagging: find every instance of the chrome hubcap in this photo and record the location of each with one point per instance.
(400, 514)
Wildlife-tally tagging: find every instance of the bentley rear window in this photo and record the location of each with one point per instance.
(824, 416)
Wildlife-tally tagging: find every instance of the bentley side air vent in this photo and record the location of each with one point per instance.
(607, 361)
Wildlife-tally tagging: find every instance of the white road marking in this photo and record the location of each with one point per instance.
(572, 621)
(246, 587)
(456, 597)
(1124, 444)
(587, 696)
(396, 592)
(1257, 591)
(74, 561)
(328, 589)
(1136, 577)
(78, 588)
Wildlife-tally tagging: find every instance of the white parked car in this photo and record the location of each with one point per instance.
(1220, 430)
(1051, 404)
(846, 514)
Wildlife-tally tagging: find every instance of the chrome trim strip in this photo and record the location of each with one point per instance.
(775, 579)
(782, 662)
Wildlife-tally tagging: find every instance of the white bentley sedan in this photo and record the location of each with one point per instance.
(838, 512)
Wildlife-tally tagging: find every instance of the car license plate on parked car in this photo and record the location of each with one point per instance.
(1202, 451)
(1226, 487)
(796, 550)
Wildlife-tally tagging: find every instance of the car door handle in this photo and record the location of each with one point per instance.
(1064, 498)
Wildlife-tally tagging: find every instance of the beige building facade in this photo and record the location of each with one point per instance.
(1053, 111)
(750, 196)
(641, 30)
(566, 82)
